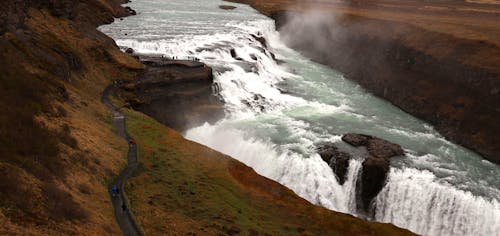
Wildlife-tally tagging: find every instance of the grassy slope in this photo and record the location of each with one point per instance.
(58, 148)
(184, 188)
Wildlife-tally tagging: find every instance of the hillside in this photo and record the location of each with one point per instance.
(59, 150)
(57, 147)
(185, 188)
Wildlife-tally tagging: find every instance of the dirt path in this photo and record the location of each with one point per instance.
(124, 217)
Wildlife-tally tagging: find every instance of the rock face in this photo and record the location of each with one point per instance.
(176, 93)
(338, 160)
(375, 166)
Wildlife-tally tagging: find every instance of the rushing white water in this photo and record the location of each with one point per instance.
(415, 199)
(278, 113)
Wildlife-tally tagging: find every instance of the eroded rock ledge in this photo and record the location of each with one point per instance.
(375, 166)
(177, 93)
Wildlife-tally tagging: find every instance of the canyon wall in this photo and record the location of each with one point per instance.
(450, 82)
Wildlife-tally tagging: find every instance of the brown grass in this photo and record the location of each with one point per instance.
(58, 150)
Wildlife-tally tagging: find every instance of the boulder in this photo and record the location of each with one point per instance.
(337, 160)
(356, 139)
(384, 149)
(377, 147)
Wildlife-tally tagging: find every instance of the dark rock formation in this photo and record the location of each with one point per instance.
(375, 166)
(355, 139)
(234, 55)
(373, 179)
(338, 160)
(383, 149)
(376, 147)
(176, 93)
(131, 11)
(130, 50)
(227, 7)
(261, 40)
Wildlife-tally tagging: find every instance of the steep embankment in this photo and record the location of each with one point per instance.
(447, 76)
(57, 146)
(184, 188)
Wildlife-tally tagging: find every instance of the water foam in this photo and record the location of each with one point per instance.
(416, 200)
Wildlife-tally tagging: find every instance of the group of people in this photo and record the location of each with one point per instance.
(177, 58)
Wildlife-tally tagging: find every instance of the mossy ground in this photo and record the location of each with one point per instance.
(184, 188)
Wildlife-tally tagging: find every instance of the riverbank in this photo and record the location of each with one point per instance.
(439, 65)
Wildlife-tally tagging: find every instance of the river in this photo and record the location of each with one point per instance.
(276, 114)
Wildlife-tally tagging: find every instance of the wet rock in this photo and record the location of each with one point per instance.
(374, 168)
(131, 11)
(227, 7)
(261, 40)
(384, 149)
(337, 160)
(376, 147)
(234, 55)
(373, 179)
(356, 139)
(130, 50)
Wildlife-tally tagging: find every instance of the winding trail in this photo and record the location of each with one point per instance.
(125, 217)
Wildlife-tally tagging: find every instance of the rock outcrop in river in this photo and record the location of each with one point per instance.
(375, 166)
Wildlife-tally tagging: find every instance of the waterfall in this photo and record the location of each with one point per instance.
(416, 200)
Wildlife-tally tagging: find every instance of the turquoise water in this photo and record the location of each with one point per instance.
(278, 113)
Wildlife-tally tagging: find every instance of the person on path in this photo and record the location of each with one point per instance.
(124, 207)
(115, 190)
